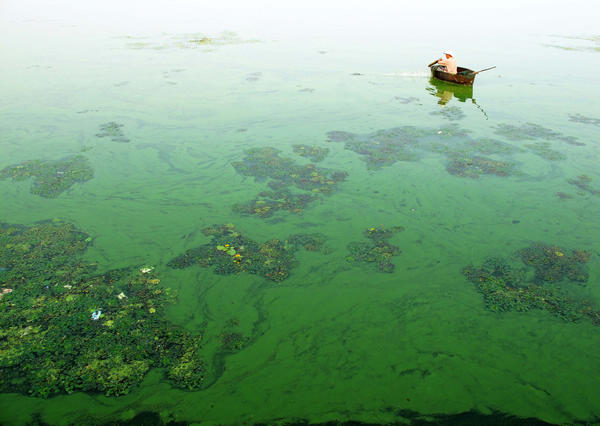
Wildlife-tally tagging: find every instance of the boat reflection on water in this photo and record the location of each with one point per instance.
(445, 92)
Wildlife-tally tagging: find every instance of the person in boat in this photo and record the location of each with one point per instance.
(449, 63)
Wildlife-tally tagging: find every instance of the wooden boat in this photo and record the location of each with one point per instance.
(464, 76)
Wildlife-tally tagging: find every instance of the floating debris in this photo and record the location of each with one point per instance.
(113, 131)
(51, 178)
(313, 152)
(378, 251)
(50, 346)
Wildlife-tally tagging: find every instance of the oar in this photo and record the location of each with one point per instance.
(432, 63)
(491, 68)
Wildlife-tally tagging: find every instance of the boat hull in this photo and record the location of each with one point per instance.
(464, 77)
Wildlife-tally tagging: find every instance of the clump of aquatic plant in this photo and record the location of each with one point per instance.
(378, 251)
(583, 182)
(475, 166)
(506, 287)
(530, 131)
(188, 370)
(254, 76)
(232, 340)
(592, 44)
(185, 41)
(266, 163)
(382, 148)
(269, 202)
(112, 130)
(488, 146)
(65, 328)
(525, 131)
(406, 100)
(542, 149)
(51, 178)
(263, 163)
(578, 118)
(230, 252)
(563, 195)
(388, 146)
(553, 263)
(310, 242)
(313, 152)
(453, 113)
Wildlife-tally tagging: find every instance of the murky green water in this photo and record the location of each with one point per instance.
(337, 339)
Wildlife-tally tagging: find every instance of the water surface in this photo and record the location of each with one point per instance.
(338, 339)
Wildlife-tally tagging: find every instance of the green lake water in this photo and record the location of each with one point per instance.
(337, 340)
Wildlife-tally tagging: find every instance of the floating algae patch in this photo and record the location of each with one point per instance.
(591, 44)
(476, 166)
(185, 41)
(506, 287)
(578, 118)
(563, 195)
(530, 131)
(231, 339)
(553, 263)
(66, 328)
(383, 147)
(453, 113)
(542, 149)
(488, 146)
(269, 202)
(230, 252)
(51, 178)
(406, 100)
(386, 147)
(313, 152)
(263, 163)
(378, 250)
(114, 131)
(309, 241)
(266, 163)
(583, 182)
